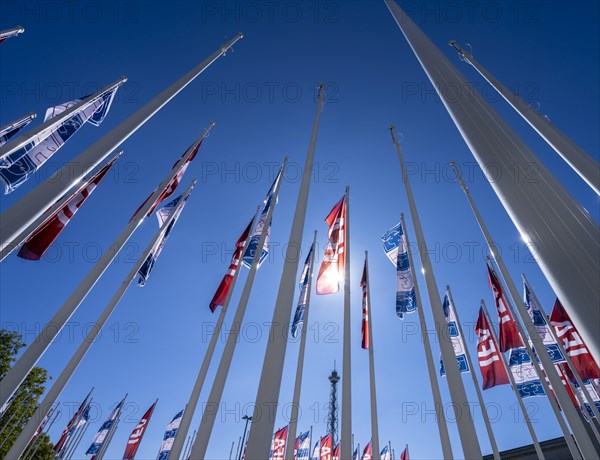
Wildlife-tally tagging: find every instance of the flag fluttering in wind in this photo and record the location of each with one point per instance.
(253, 243)
(573, 343)
(365, 309)
(302, 446)
(71, 426)
(458, 343)
(491, 365)
(107, 426)
(336, 452)
(356, 453)
(332, 267)
(162, 215)
(169, 437)
(526, 378)
(326, 447)
(396, 248)
(404, 454)
(304, 281)
(509, 336)
(589, 385)
(367, 452)
(278, 444)
(223, 289)
(385, 453)
(10, 130)
(135, 438)
(316, 453)
(17, 167)
(38, 243)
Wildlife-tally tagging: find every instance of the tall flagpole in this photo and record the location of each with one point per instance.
(374, 420)
(484, 412)
(15, 219)
(293, 421)
(259, 439)
(579, 160)
(433, 381)
(564, 234)
(579, 432)
(464, 421)
(12, 32)
(211, 408)
(18, 122)
(188, 414)
(534, 438)
(37, 348)
(52, 395)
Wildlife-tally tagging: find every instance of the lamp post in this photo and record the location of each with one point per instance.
(248, 419)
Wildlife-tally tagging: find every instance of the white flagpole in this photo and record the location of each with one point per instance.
(484, 412)
(9, 127)
(211, 409)
(109, 436)
(85, 428)
(54, 392)
(15, 219)
(534, 438)
(464, 421)
(293, 422)
(37, 348)
(579, 432)
(564, 234)
(374, 420)
(259, 439)
(188, 414)
(433, 381)
(579, 160)
(4, 34)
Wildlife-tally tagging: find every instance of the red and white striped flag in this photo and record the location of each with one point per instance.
(278, 444)
(509, 336)
(492, 368)
(332, 267)
(38, 243)
(223, 289)
(574, 345)
(365, 309)
(326, 447)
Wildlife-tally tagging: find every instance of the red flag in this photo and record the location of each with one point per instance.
(135, 438)
(574, 345)
(39, 242)
(278, 444)
(332, 267)
(367, 452)
(404, 454)
(223, 289)
(365, 309)
(336, 452)
(70, 428)
(326, 447)
(490, 361)
(509, 336)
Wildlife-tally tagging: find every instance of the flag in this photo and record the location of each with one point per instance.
(385, 453)
(135, 438)
(404, 454)
(458, 343)
(71, 426)
(526, 378)
(169, 437)
(302, 299)
(509, 336)
(336, 452)
(316, 454)
(367, 452)
(10, 130)
(162, 215)
(253, 243)
(104, 430)
(356, 453)
(302, 447)
(589, 385)
(17, 167)
(491, 366)
(396, 248)
(365, 309)
(332, 267)
(40, 240)
(223, 289)
(326, 447)
(573, 343)
(278, 444)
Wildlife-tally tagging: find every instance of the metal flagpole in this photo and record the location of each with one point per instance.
(70, 448)
(186, 453)
(464, 421)
(579, 160)
(259, 439)
(237, 448)
(85, 428)
(186, 420)
(231, 451)
(582, 437)
(109, 436)
(293, 420)
(536, 444)
(211, 408)
(33, 442)
(564, 234)
(26, 118)
(374, 421)
(4, 34)
(433, 381)
(15, 219)
(52, 395)
(36, 349)
(56, 413)
(484, 412)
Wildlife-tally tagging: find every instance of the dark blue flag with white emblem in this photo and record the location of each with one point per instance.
(458, 343)
(304, 282)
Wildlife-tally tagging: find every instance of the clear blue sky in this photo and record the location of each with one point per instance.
(262, 97)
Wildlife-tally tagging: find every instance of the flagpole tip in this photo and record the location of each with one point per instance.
(240, 35)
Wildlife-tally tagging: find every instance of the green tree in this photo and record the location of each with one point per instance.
(26, 399)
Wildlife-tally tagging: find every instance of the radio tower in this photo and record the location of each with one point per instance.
(332, 417)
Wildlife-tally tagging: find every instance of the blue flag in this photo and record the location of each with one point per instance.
(304, 282)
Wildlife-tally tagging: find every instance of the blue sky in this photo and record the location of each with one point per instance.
(263, 98)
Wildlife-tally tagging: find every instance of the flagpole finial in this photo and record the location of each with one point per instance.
(454, 45)
(447, 287)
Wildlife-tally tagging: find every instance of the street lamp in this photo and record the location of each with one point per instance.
(248, 419)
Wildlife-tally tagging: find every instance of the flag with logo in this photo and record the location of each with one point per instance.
(458, 343)
(107, 427)
(71, 426)
(135, 438)
(169, 436)
(304, 289)
(332, 266)
(385, 453)
(9, 131)
(302, 447)
(367, 452)
(365, 309)
(336, 452)
(326, 447)
(278, 444)
(490, 361)
(17, 167)
(396, 248)
(526, 378)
